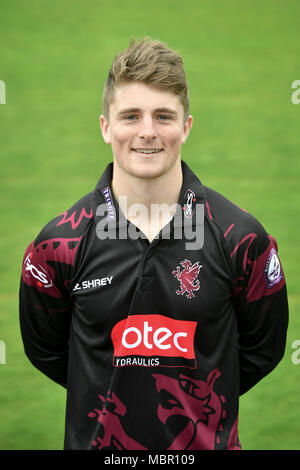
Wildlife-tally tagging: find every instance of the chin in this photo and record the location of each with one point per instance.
(148, 171)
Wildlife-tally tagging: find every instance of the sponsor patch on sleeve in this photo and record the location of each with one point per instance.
(273, 273)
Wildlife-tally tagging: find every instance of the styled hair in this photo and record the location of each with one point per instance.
(150, 62)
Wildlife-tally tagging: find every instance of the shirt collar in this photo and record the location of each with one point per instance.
(192, 193)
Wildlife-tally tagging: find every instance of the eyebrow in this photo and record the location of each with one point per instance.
(157, 110)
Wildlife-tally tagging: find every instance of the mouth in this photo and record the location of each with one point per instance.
(145, 151)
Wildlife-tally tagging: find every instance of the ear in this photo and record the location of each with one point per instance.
(186, 128)
(105, 128)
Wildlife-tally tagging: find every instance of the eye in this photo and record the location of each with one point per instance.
(163, 117)
(130, 117)
(188, 386)
(110, 407)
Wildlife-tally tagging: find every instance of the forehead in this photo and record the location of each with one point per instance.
(143, 96)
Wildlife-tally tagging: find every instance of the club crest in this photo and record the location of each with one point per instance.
(187, 278)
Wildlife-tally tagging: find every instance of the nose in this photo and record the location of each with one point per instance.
(147, 129)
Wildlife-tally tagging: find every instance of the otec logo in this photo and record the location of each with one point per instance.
(141, 337)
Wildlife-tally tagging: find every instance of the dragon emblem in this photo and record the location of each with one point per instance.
(187, 278)
(195, 402)
(198, 403)
(109, 416)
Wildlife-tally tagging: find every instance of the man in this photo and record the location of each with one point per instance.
(155, 322)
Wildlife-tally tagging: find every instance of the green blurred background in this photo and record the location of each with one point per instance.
(241, 58)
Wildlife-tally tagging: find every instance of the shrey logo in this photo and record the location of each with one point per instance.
(153, 340)
(100, 282)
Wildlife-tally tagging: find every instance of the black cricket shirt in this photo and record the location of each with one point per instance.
(153, 341)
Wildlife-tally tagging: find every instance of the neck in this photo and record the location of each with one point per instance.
(140, 198)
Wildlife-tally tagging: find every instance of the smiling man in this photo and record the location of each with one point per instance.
(154, 340)
(146, 121)
(146, 129)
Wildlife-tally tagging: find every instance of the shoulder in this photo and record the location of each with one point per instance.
(59, 239)
(70, 224)
(49, 259)
(237, 226)
(252, 252)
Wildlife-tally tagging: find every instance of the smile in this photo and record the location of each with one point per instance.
(147, 151)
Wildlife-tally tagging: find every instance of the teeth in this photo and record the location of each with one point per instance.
(148, 150)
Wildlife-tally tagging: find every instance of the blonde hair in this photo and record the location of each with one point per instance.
(151, 62)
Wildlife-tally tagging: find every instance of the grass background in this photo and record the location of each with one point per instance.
(241, 58)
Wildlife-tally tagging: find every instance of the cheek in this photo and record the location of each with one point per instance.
(173, 138)
(121, 139)
(118, 143)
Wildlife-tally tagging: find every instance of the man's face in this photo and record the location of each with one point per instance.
(145, 129)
